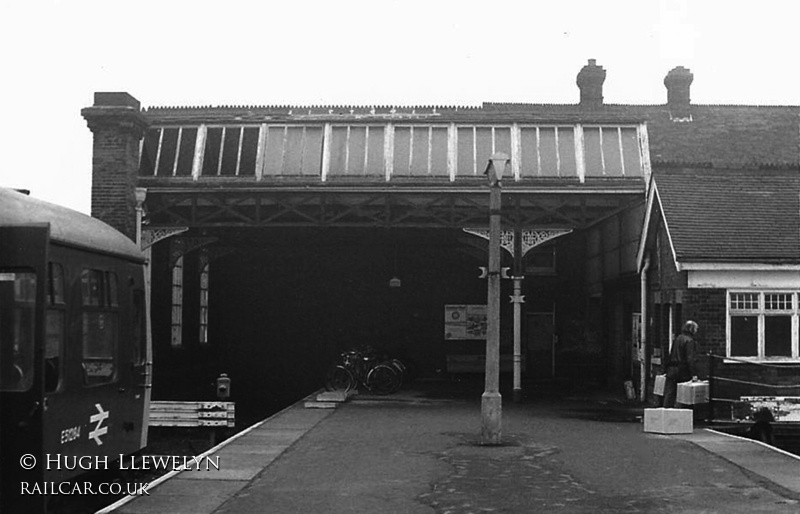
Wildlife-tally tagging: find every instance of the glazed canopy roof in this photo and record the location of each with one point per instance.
(543, 140)
(448, 143)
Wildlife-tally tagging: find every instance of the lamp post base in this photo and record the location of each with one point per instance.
(491, 416)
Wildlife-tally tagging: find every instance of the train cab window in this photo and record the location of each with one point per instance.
(17, 329)
(100, 325)
(55, 326)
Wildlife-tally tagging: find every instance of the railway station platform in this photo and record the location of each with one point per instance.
(418, 452)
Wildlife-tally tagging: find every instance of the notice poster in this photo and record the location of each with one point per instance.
(465, 321)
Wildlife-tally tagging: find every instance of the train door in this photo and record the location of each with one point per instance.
(541, 345)
(23, 255)
(100, 408)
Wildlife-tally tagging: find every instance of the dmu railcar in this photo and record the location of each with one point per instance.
(74, 349)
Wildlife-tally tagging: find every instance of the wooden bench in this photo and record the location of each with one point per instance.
(192, 414)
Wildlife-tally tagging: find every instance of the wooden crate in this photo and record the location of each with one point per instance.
(668, 421)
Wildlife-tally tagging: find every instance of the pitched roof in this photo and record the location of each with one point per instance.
(731, 215)
(727, 136)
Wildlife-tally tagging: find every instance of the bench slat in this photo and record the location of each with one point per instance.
(192, 414)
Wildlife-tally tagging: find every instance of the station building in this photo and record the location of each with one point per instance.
(722, 247)
(280, 236)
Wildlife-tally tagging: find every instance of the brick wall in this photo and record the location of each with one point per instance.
(118, 125)
(707, 308)
(114, 179)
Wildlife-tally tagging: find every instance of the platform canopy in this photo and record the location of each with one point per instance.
(388, 151)
(409, 168)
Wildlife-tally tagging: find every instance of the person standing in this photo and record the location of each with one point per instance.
(682, 364)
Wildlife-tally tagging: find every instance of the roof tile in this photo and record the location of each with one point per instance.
(732, 215)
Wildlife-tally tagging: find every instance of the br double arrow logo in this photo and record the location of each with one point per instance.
(99, 419)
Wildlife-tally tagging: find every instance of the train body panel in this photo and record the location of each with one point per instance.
(74, 347)
(24, 256)
(97, 405)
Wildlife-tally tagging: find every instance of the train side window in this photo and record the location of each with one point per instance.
(113, 290)
(100, 322)
(17, 329)
(54, 326)
(92, 288)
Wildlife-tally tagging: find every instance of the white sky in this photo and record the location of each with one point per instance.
(55, 54)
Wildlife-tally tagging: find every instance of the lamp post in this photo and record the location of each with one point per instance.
(518, 299)
(140, 193)
(491, 401)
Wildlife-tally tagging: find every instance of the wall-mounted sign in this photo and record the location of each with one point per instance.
(465, 321)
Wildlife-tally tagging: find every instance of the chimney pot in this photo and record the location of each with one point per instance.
(590, 82)
(678, 82)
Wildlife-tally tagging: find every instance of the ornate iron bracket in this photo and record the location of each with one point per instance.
(151, 236)
(531, 238)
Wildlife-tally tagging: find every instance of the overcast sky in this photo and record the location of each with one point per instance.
(55, 54)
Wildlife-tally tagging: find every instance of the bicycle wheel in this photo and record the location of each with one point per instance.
(339, 378)
(383, 379)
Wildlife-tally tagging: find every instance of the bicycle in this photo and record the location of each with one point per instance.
(363, 368)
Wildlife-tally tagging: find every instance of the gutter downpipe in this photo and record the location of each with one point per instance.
(643, 332)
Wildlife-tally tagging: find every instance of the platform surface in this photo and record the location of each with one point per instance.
(419, 452)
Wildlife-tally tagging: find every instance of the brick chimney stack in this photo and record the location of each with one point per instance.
(117, 123)
(678, 82)
(590, 81)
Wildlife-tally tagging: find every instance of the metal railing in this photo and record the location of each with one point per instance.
(729, 377)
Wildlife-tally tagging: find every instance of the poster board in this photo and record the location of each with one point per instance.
(463, 321)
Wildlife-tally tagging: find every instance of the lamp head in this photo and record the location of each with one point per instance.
(141, 194)
(497, 167)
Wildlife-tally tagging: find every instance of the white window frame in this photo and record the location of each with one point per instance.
(177, 303)
(640, 169)
(205, 266)
(761, 312)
